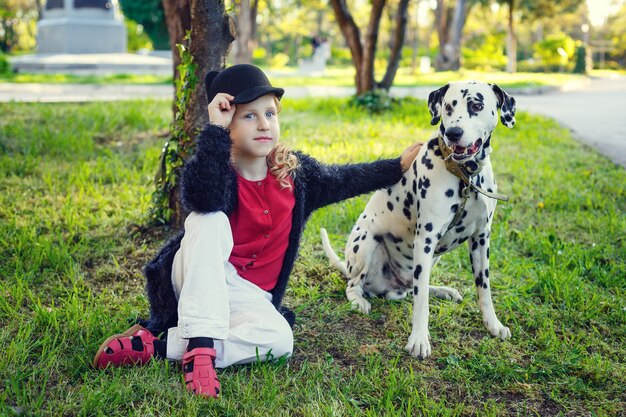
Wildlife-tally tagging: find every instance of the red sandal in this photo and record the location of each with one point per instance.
(117, 350)
(199, 369)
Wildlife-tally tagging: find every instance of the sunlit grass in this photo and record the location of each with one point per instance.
(75, 184)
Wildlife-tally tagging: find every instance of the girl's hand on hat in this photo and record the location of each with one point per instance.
(409, 154)
(220, 110)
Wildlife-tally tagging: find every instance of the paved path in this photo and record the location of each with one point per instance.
(594, 111)
(596, 114)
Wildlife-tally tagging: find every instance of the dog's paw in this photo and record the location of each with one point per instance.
(497, 329)
(362, 305)
(418, 346)
(451, 294)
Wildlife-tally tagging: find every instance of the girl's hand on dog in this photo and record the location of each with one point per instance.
(409, 154)
(220, 110)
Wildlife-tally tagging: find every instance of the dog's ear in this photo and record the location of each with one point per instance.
(506, 104)
(434, 103)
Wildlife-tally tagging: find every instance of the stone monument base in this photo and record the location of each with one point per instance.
(81, 36)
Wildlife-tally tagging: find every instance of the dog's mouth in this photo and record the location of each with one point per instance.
(461, 152)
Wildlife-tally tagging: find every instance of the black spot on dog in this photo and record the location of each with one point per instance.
(355, 248)
(389, 206)
(388, 191)
(357, 239)
(449, 192)
(423, 193)
(460, 229)
(487, 253)
(364, 236)
(484, 285)
(487, 272)
(417, 272)
(426, 249)
(454, 208)
(403, 181)
(378, 238)
(394, 238)
(479, 280)
(482, 242)
(428, 241)
(427, 162)
(398, 199)
(407, 213)
(474, 244)
(386, 268)
(414, 187)
(408, 201)
(454, 102)
(415, 290)
(428, 227)
(438, 152)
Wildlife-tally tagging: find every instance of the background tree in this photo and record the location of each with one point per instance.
(18, 19)
(211, 33)
(245, 21)
(150, 15)
(529, 10)
(364, 53)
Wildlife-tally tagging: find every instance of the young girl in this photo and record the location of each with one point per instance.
(216, 289)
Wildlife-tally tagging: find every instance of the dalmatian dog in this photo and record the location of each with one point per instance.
(447, 198)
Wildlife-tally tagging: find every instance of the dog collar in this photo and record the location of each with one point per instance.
(458, 169)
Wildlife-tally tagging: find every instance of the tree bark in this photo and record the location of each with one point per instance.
(246, 31)
(352, 36)
(369, 48)
(212, 33)
(178, 20)
(399, 34)
(511, 49)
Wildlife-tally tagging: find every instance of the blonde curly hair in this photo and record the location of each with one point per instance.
(282, 162)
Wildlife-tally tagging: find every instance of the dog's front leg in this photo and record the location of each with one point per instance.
(479, 256)
(419, 345)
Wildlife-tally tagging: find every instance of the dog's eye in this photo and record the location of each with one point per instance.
(448, 108)
(476, 107)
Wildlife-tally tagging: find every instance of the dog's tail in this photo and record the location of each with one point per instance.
(332, 256)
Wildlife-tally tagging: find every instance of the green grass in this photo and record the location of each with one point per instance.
(333, 76)
(85, 79)
(75, 184)
(344, 77)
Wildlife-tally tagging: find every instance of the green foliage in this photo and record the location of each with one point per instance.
(581, 64)
(279, 60)
(547, 50)
(151, 16)
(485, 52)
(18, 25)
(5, 65)
(137, 38)
(177, 148)
(74, 182)
(375, 101)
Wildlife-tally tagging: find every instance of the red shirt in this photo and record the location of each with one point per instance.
(261, 224)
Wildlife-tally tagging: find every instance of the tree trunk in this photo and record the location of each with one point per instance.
(178, 20)
(398, 36)
(511, 47)
(369, 48)
(352, 36)
(456, 32)
(246, 31)
(212, 32)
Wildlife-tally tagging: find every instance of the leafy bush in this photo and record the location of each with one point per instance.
(484, 52)
(5, 66)
(259, 56)
(547, 50)
(374, 101)
(137, 37)
(340, 56)
(279, 60)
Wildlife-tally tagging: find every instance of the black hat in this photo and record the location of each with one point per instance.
(243, 81)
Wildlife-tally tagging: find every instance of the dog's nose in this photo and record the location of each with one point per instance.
(454, 134)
